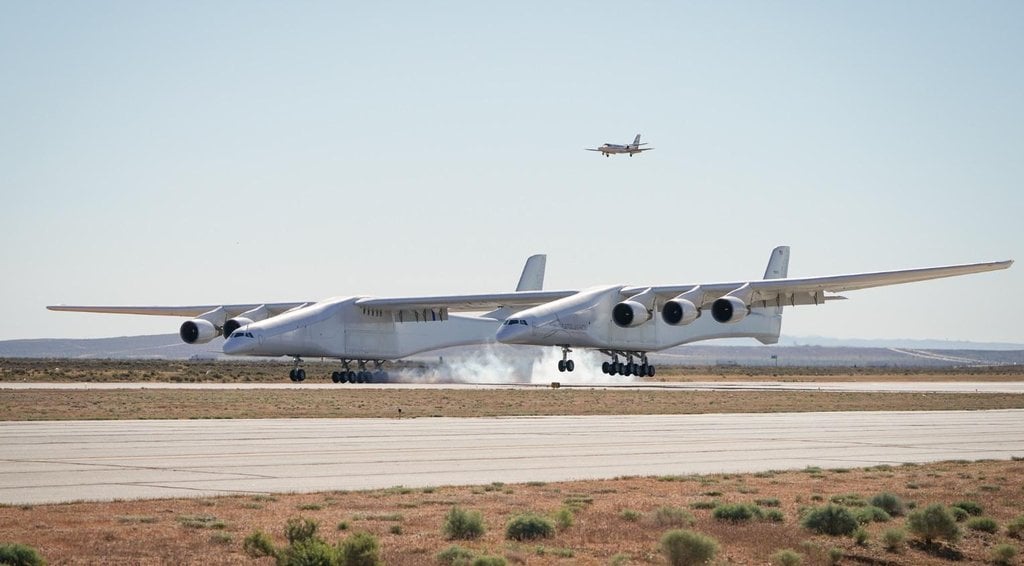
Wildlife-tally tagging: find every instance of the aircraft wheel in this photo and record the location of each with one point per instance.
(368, 378)
(561, 365)
(570, 365)
(291, 375)
(334, 376)
(604, 367)
(351, 377)
(650, 371)
(300, 375)
(620, 368)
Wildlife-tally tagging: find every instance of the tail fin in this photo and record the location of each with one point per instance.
(778, 264)
(778, 268)
(636, 140)
(532, 278)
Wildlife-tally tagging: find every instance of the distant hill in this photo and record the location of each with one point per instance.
(791, 351)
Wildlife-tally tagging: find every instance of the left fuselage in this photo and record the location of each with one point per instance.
(339, 328)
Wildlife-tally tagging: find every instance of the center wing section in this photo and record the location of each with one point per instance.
(466, 303)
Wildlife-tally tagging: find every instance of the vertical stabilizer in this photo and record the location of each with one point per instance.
(532, 278)
(636, 140)
(778, 264)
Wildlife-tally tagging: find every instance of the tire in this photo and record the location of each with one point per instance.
(334, 377)
(570, 365)
(604, 367)
(300, 375)
(291, 375)
(650, 371)
(561, 365)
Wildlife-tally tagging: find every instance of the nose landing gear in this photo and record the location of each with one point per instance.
(297, 374)
(565, 364)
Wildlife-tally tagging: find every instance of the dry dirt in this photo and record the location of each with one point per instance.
(408, 522)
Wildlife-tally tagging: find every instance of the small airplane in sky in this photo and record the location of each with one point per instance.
(630, 148)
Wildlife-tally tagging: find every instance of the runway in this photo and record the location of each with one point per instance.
(1016, 387)
(102, 460)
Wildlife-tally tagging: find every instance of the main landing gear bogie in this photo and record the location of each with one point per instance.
(347, 374)
(629, 367)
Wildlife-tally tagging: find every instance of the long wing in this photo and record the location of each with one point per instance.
(467, 302)
(805, 290)
(190, 311)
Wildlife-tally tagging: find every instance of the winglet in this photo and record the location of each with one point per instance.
(532, 278)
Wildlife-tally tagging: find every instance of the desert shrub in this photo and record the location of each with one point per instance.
(736, 512)
(849, 500)
(970, 506)
(959, 515)
(671, 517)
(893, 539)
(308, 552)
(1003, 554)
(463, 525)
(830, 520)
(871, 514)
(1015, 528)
(564, 518)
(861, 536)
(359, 549)
(705, 504)
(892, 504)
(455, 555)
(299, 529)
(770, 502)
(787, 557)
(395, 529)
(629, 515)
(20, 555)
(835, 555)
(256, 545)
(934, 522)
(983, 524)
(774, 516)
(529, 527)
(683, 548)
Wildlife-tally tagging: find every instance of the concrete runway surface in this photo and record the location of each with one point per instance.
(102, 460)
(833, 386)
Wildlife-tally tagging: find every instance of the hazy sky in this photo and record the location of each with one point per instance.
(217, 152)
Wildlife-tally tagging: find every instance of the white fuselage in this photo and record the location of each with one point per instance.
(585, 320)
(338, 328)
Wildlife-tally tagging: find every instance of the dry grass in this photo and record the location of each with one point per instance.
(94, 533)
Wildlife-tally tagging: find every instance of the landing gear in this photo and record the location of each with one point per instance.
(362, 375)
(297, 374)
(565, 364)
(629, 368)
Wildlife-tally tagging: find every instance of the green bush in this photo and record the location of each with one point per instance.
(770, 502)
(529, 527)
(871, 514)
(629, 515)
(835, 555)
(959, 514)
(488, 561)
(831, 519)
(256, 545)
(849, 500)
(685, 548)
(359, 549)
(308, 552)
(299, 529)
(1004, 554)
(705, 504)
(892, 504)
(934, 522)
(861, 536)
(463, 525)
(774, 516)
(1015, 528)
(564, 518)
(455, 555)
(970, 506)
(737, 512)
(893, 539)
(671, 517)
(787, 557)
(20, 555)
(983, 524)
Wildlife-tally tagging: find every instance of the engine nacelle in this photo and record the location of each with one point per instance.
(234, 324)
(630, 313)
(729, 310)
(197, 331)
(679, 312)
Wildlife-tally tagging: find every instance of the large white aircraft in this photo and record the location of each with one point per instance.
(630, 148)
(619, 320)
(627, 322)
(356, 330)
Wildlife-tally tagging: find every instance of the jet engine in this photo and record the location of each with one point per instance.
(198, 331)
(679, 312)
(234, 324)
(729, 310)
(630, 313)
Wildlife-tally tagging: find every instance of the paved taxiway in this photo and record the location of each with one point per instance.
(102, 460)
(832, 386)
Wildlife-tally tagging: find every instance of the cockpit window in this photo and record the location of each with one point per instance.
(512, 321)
(240, 334)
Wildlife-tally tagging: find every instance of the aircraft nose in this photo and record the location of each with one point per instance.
(513, 333)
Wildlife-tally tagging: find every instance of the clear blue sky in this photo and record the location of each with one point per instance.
(216, 152)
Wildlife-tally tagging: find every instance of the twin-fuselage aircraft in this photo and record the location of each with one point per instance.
(615, 148)
(625, 322)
